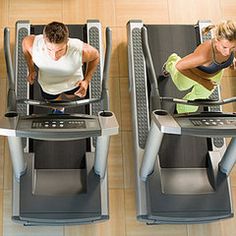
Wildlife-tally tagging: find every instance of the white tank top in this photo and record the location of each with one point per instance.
(62, 75)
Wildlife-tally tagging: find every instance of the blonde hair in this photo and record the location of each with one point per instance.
(223, 30)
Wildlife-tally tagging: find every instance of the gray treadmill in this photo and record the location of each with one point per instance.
(181, 161)
(59, 161)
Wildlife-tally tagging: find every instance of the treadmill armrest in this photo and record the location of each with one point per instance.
(165, 122)
(108, 123)
(8, 126)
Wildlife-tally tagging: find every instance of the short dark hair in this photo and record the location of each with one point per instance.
(56, 32)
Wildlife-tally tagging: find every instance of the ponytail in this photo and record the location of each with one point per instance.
(224, 30)
(207, 29)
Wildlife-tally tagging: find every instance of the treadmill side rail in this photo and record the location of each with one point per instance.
(20, 67)
(139, 106)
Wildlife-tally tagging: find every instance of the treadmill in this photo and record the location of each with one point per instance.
(181, 160)
(59, 161)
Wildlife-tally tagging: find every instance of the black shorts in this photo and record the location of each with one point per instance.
(48, 96)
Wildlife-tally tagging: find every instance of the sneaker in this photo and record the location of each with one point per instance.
(164, 73)
(58, 112)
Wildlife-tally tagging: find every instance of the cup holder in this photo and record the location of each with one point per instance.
(106, 114)
(11, 114)
(161, 112)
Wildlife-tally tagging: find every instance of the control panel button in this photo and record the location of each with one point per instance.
(59, 124)
(213, 122)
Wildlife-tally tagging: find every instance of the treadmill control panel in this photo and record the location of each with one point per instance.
(213, 122)
(202, 126)
(59, 124)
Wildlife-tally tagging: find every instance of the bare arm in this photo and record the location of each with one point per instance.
(91, 57)
(201, 55)
(187, 65)
(192, 74)
(27, 45)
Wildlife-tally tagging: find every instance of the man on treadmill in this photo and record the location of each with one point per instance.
(59, 60)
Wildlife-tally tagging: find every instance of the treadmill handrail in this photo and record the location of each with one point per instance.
(10, 72)
(11, 98)
(155, 95)
(75, 103)
(200, 102)
(106, 69)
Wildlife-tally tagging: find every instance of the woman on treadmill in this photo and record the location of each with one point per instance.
(203, 69)
(59, 60)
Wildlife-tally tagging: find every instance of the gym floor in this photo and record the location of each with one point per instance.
(116, 14)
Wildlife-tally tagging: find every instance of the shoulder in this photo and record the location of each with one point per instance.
(28, 41)
(87, 48)
(204, 48)
(32, 43)
(76, 43)
(201, 55)
(89, 53)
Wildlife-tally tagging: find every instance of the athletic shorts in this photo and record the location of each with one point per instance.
(48, 96)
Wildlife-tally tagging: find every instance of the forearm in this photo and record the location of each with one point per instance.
(91, 68)
(191, 74)
(206, 82)
(29, 62)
